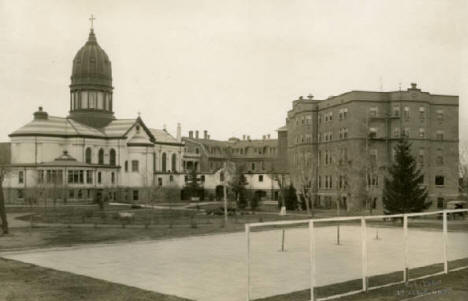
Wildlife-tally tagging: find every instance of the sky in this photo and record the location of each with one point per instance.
(231, 67)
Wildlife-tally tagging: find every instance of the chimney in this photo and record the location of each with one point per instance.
(196, 134)
(208, 137)
(40, 115)
(248, 137)
(268, 136)
(205, 134)
(179, 132)
(243, 137)
(164, 128)
(263, 137)
(190, 134)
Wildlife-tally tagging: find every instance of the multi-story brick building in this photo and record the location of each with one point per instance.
(257, 158)
(341, 147)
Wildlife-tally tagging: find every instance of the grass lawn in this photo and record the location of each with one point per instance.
(22, 282)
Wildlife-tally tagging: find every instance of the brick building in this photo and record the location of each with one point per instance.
(256, 157)
(341, 147)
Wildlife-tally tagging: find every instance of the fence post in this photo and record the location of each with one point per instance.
(444, 238)
(405, 248)
(312, 254)
(364, 253)
(247, 240)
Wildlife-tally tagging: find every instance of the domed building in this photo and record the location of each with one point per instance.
(90, 155)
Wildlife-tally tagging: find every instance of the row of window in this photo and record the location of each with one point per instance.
(91, 100)
(55, 176)
(373, 112)
(89, 156)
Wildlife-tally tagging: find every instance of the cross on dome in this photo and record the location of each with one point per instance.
(92, 18)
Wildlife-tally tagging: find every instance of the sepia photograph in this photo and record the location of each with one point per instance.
(233, 150)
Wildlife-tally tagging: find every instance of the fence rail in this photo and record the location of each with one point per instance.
(364, 260)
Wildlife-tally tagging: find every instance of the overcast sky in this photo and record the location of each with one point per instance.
(229, 66)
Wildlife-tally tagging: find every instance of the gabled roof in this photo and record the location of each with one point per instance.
(163, 136)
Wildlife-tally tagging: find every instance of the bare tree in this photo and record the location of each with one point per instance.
(306, 181)
(3, 172)
(463, 168)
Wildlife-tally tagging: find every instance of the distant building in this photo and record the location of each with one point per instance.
(345, 144)
(257, 158)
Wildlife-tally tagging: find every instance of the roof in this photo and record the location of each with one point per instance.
(56, 126)
(163, 136)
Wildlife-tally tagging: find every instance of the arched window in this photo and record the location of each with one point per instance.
(174, 163)
(163, 162)
(112, 157)
(88, 155)
(101, 156)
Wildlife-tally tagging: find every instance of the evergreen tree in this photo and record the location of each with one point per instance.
(402, 191)
(237, 185)
(192, 187)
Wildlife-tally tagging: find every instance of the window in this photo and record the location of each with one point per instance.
(174, 163)
(406, 132)
(101, 156)
(80, 194)
(422, 113)
(440, 160)
(135, 195)
(320, 181)
(439, 180)
(202, 178)
(373, 156)
(372, 133)
(164, 162)
(197, 151)
(396, 110)
(440, 115)
(41, 176)
(373, 112)
(126, 166)
(421, 133)
(88, 155)
(112, 157)
(421, 156)
(345, 113)
(331, 116)
(89, 177)
(171, 178)
(71, 193)
(253, 166)
(20, 177)
(112, 177)
(440, 203)
(440, 135)
(407, 113)
(260, 178)
(396, 132)
(221, 176)
(20, 194)
(135, 165)
(99, 177)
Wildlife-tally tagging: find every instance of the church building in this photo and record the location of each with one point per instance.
(90, 154)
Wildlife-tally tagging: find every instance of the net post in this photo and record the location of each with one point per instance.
(247, 240)
(364, 253)
(405, 248)
(312, 255)
(445, 238)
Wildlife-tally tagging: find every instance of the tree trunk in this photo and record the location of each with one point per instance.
(3, 216)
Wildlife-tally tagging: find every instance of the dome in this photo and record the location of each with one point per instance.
(91, 65)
